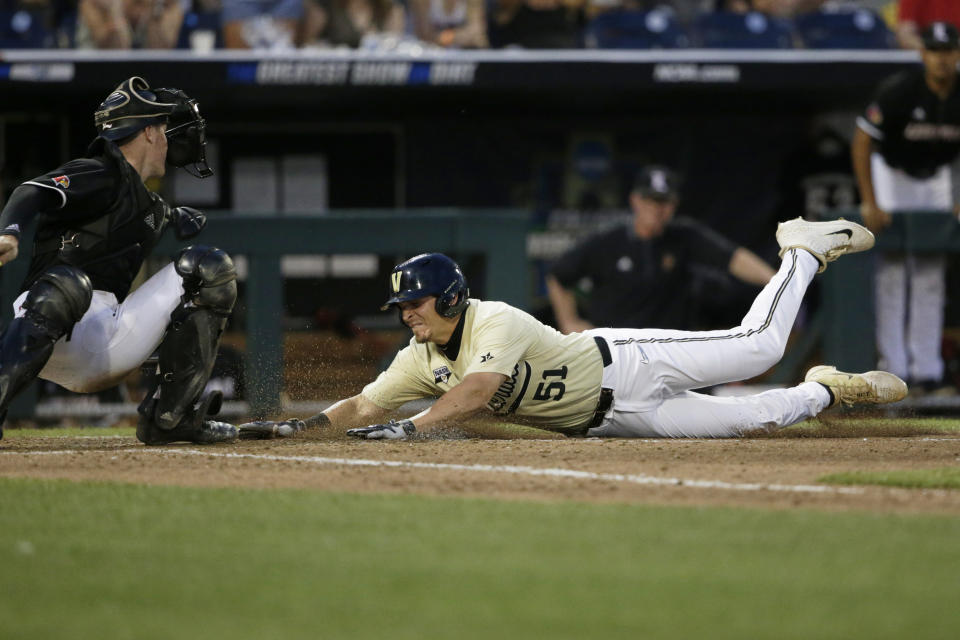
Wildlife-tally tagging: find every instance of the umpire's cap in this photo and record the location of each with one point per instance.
(129, 108)
(941, 36)
(430, 274)
(657, 182)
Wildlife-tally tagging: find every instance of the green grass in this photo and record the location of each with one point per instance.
(839, 425)
(942, 478)
(80, 560)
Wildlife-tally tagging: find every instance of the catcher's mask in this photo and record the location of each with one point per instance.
(186, 134)
(133, 106)
(430, 274)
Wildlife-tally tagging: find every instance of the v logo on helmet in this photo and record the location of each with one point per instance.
(395, 280)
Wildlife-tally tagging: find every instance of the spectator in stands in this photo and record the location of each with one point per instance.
(460, 24)
(734, 6)
(345, 23)
(915, 15)
(638, 275)
(686, 11)
(779, 8)
(538, 24)
(261, 24)
(129, 24)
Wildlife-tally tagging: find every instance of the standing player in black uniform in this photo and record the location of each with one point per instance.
(75, 323)
(902, 150)
(638, 273)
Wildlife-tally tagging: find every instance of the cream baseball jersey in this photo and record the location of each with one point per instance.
(553, 380)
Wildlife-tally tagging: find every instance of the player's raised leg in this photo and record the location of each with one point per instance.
(653, 365)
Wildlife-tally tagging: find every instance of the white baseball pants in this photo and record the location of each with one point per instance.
(111, 339)
(653, 370)
(910, 289)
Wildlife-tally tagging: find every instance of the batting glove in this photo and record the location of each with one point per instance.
(188, 222)
(393, 430)
(268, 430)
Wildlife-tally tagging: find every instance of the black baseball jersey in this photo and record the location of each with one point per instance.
(914, 129)
(104, 220)
(635, 283)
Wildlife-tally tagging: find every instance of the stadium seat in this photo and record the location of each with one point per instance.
(858, 29)
(754, 30)
(65, 32)
(200, 21)
(23, 29)
(621, 29)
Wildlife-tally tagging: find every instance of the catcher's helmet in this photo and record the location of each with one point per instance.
(129, 108)
(134, 105)
(430, 274)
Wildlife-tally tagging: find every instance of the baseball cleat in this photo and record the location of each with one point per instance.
(872, 387)
(827, 241)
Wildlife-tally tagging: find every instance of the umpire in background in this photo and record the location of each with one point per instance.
(639, 275)
(902, 149)
(76, 322)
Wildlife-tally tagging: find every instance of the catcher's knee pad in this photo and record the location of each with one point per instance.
(56, 301)
(209, 278)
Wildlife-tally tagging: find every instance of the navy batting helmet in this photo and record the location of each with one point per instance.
(430, 274)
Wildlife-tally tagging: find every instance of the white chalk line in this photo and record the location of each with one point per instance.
(508, 469)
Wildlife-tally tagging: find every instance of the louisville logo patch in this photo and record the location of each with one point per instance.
(62, 181)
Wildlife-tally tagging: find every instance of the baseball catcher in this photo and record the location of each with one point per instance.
(76, 322)
(488, 357)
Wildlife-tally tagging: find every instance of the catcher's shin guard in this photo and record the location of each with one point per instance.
(56, 301)
(189, 349)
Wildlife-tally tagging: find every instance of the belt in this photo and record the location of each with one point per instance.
(603, 405)
(606, 394)
(920, 173)
(604, 350)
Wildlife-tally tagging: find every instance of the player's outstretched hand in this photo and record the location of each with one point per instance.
(393, 430)
(188, 222)
(268, 429)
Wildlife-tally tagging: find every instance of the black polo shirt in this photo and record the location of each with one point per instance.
(914, 129)
(639, 283)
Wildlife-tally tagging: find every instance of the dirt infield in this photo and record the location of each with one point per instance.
(760, 472)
